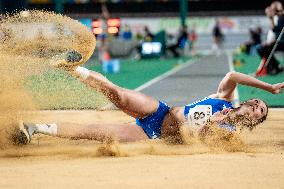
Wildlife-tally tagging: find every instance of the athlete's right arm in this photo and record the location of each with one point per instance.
(229, 83)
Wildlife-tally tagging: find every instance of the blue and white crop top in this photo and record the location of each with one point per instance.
(199, 112)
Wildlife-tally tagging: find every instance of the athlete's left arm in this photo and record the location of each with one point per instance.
(229, 83)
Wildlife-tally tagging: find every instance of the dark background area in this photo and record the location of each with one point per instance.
(147, 8)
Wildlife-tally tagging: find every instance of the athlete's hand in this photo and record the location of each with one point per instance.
(277, 88)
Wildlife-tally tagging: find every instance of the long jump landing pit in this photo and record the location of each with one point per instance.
(50, 162)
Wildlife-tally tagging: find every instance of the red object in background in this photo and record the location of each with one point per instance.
(113, 26)
(112, 30)
(96, 24)
(261, 70)
(192, 36)
(97, 31)
(106, 56)
(115, 22)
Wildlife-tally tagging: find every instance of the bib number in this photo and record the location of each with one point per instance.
(199, 115)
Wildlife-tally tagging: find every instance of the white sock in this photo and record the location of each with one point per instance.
(50, 129)
(82, 72)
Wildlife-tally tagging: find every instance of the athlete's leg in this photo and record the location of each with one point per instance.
(100, 132)
(133, 103)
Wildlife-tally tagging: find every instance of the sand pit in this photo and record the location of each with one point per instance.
(29, 84)
(50, 162)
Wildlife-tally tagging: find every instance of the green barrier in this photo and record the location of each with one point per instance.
(248, 65)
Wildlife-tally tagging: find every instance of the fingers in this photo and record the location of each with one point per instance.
(279, 87)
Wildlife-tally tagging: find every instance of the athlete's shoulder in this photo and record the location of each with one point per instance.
(215, 95)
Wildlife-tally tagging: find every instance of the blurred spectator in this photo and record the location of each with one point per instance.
(175, 43)
(103, 37)
(255, 39)
(270, 35)
(148, 36)
(218, 38)
(273, 66)
(139, 36)
(126, 33)
(192, 40)
(171, 45)
(182, 37)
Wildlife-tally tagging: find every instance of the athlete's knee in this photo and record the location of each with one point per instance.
(122, 97)
(117, 96)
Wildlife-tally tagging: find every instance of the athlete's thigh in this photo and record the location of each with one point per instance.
(101, 132)
(137, 104)
(121, 132)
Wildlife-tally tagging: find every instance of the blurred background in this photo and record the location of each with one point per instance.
(138, 40)
(128, 18)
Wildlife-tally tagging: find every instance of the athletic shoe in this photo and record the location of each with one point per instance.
(68, 61)
(73, 56)
(25, 133)
(19, 137)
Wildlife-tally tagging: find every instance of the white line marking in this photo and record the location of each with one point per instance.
(236, 101)
(167, 74)
(276, 109)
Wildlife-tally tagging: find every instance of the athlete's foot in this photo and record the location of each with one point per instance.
(24, 133)
(73, 56)
(18, 136)
(69, 61)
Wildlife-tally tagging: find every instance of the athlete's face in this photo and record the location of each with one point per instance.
(255, 108)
